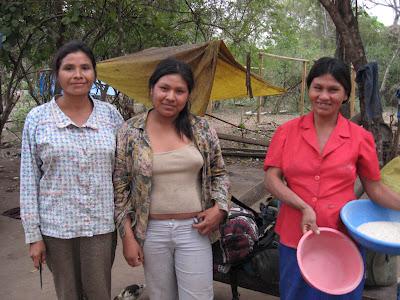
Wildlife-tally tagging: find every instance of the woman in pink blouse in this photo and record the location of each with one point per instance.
(311, 166)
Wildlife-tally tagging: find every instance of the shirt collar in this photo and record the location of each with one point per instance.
(341, 129)
(140, 121)
(62, 120)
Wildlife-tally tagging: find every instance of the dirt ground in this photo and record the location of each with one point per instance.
(18, 278)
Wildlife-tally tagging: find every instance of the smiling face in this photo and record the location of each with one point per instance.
(169, 95)
(326, 95)
(76, 74)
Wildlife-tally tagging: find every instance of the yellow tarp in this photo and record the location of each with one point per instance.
(391, 174)
(217, 74)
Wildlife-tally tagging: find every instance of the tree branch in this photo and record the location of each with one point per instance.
(30, 87)
(23, 48)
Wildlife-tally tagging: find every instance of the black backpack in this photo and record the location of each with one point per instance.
(239, 235)
(262, 260)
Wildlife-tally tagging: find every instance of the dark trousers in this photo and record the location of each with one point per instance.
(81, 267)
(292, 286)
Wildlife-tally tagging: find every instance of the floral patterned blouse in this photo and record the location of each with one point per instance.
(133, 172)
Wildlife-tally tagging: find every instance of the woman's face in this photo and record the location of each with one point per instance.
(76, 74)
(169, 95)
(326, 95)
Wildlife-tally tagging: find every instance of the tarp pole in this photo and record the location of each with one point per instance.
(303, 88)
(260, 71)
(209, 106)
(300, 104)
(353, 92)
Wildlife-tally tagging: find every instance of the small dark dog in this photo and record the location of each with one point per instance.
(132, 292)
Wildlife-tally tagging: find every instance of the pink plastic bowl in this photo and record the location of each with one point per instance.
(330, 261)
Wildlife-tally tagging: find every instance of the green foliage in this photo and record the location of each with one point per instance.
(25, 28)
(380, 44)
(242, 125)
(33, 30)
(20, 111)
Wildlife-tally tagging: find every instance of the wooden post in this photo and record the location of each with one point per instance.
(303, 88)
(260, 71)
(300, 104)
(209, 107)
(353, 92)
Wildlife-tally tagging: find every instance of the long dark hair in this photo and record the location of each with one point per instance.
(72, 47)
(332, 66)
(173, 66)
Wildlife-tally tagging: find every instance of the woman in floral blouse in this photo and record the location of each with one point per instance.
(171, 189)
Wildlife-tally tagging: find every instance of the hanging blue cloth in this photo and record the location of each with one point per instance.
(367, 76)
(53, 82)
(42, 83)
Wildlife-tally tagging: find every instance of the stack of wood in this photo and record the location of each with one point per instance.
(243, 152)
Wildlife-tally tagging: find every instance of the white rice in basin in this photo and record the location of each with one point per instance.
(384, 231)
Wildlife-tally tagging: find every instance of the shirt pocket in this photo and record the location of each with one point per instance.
(45, 144)
(328, 215)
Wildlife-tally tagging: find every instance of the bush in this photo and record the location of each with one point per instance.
(21, 109)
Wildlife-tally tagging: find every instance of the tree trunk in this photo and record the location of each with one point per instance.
(383, 84)
(7, 101)
(347, 27)
(7, 109)
(340, 53)
(59, 8)
(2, 124)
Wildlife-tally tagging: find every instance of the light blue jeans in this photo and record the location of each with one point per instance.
(177, 261)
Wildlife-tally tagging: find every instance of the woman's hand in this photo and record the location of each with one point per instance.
(210, 220)
(37, 251)
(132, 251)
(308, 221)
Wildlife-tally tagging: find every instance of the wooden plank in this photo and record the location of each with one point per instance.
(244, 150)
(256, 193)
(234, 138)
(285, 57)
(243, 154)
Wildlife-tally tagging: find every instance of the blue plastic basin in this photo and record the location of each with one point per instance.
(358, 212)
